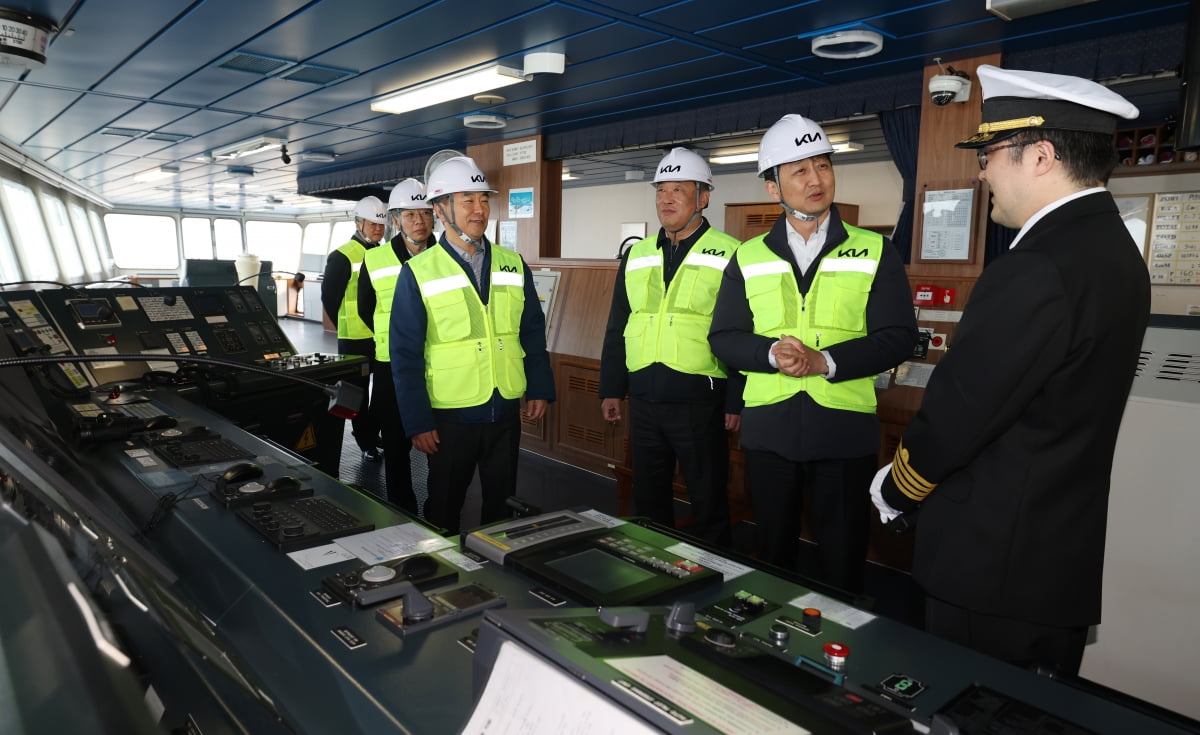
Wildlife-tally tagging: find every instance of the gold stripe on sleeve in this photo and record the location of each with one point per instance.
(908, 480)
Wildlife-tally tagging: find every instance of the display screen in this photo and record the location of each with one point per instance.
(207, 304)
(601, 571)
(91, 310)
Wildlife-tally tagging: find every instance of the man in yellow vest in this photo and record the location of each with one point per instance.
(412, 218)
(468, 342)
(811, 312)
(656, 352)
(339, 296)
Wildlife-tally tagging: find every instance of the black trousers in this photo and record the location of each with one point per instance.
(1018, 642)
(396, 444)
(694, 434)
(838, 495)
(493, 448)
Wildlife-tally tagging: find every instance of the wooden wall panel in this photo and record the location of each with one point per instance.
(939, 161)
(538, 235)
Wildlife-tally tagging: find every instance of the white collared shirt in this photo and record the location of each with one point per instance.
(806, 251)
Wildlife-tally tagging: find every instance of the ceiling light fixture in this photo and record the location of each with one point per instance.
(848, 146)
(316, 156)
(485, 122)
(854, 44)
(727, 158)
(567, 175)
(455, 86)
(247, 147)
(157, 174)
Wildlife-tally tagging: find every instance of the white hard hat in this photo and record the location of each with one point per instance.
(371, 209)
(792, 138)
(680, 164)
(457, 174)
(408, 194)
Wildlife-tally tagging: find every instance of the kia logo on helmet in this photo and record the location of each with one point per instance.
(669, 169)
(418, 197)
(808, 138)
(478, 179)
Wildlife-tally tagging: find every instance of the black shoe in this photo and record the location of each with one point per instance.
(372, 455)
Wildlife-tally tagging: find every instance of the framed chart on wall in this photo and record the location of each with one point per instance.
(950, 222)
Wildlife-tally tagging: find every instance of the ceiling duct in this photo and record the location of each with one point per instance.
(24, 40)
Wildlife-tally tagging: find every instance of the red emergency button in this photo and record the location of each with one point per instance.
(110, 338)
(835, 654)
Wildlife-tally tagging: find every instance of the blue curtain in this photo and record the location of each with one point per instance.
(902, 130)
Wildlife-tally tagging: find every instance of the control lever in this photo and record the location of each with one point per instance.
(681, 620)
(634, 618)
(522, 508)
(417, 606)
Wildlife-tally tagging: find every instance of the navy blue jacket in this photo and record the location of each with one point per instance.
(409, 326)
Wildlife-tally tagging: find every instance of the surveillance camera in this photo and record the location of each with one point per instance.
(947, 88)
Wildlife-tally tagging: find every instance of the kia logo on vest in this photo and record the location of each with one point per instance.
(712, 251)
(669, 169)
(508, 269)
(808, 138)
(478, 179)
(852, 253)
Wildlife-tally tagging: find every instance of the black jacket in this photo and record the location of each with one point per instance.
(1019, 422)
(334, 283)
(799, 429)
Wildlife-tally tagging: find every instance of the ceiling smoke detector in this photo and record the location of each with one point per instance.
(490, 99)
(486, 122)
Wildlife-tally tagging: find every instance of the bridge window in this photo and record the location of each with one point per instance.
(229, 238)
(29, 232)
(197, 238)
(87, 243)
(277, 242)
(142, 241)
(64, 241)
(10, 270)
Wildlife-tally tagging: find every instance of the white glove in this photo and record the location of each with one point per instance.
(886, 512)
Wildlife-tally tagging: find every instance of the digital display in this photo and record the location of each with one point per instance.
(600, 571)
(207, 304)
(91, 313)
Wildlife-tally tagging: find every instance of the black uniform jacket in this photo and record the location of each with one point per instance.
(1018, 423)
(799, 429)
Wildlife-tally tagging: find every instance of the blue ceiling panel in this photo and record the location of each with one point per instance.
(226, 25)
(433, 26)
(29, 109)
(93, 51)
(639, 73)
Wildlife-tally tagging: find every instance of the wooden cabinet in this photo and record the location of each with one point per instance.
(745, 220)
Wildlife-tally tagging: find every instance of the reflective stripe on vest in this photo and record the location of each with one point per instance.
(383, 266)
(674, 330)
(833, 311)
(471, 349)
(349, 324)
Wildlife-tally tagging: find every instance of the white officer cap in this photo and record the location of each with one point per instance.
(1015, 100)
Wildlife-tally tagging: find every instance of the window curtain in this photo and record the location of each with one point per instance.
(902, 130)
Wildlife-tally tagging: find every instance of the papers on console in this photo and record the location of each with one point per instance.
(394, 542)
(526, 695)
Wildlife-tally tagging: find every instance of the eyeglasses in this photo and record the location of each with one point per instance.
(982, 153)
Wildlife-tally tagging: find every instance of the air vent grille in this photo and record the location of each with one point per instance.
(253, 63)
(316, 74)
(1179, 366)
